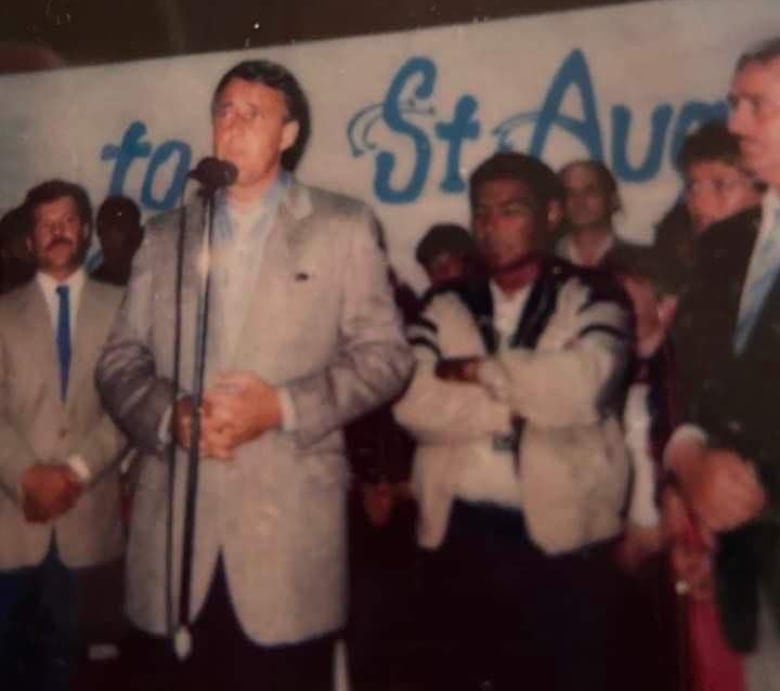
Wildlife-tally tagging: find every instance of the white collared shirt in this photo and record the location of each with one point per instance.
(567, 249)
(770, 210)
(507, 310)
(49, 286)
(770, 207)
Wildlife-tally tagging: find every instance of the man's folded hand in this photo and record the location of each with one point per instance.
(48, 491)
(458, 369)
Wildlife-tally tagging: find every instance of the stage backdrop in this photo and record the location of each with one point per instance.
(401, 119)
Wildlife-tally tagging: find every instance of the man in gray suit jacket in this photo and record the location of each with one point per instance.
(303, 336)
(61, 537)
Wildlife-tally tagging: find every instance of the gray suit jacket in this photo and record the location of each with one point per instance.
(320, 322)
(35, 425)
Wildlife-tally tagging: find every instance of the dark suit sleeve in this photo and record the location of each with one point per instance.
(732, 397)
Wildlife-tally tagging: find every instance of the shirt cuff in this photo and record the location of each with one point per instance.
(164, 429)
(643, 511)
(289, 416)
(79, 467)
(687, 433)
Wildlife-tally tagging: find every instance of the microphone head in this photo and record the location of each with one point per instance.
(213, 173)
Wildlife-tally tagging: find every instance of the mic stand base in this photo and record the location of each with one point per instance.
(182, 643)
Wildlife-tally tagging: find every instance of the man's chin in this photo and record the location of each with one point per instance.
(60, 264)
(511, 264)
(752, 158)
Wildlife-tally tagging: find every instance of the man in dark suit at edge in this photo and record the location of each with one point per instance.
(726, 460)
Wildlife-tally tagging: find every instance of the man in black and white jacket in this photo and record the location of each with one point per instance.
(520, 471)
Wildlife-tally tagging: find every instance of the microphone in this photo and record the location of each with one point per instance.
(213, 173)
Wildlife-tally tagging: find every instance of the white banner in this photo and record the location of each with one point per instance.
(400, 120)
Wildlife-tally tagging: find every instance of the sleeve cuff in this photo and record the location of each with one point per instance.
(289, 416)
(644, 513)
(687, 433)
(79, 467)
(164, 429)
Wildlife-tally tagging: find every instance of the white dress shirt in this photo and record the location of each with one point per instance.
(492, 475)
(49, 285)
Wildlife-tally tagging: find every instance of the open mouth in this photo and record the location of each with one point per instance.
(59, 242)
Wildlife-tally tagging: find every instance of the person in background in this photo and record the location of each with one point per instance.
(716, 186)
(120, 233)
(648, 611)
(17, 264)
(447, 254)
(590, 202)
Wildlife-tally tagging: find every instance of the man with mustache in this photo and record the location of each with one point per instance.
(727, 461)
(61, 538)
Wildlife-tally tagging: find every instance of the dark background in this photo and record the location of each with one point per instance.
(83, 32)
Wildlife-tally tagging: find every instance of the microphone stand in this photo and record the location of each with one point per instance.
(182, 641)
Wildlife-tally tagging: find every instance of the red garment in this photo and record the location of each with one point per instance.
(713, 665)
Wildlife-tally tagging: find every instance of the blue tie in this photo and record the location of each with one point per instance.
(63, 337)
(761, 276)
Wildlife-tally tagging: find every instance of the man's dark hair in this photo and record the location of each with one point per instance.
(52, 190)
(444, 237)
(710, 142)
(603, 173)
(510, 165)
(279, 78)
(762, 53)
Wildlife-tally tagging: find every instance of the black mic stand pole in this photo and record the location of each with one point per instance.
(182, 641)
